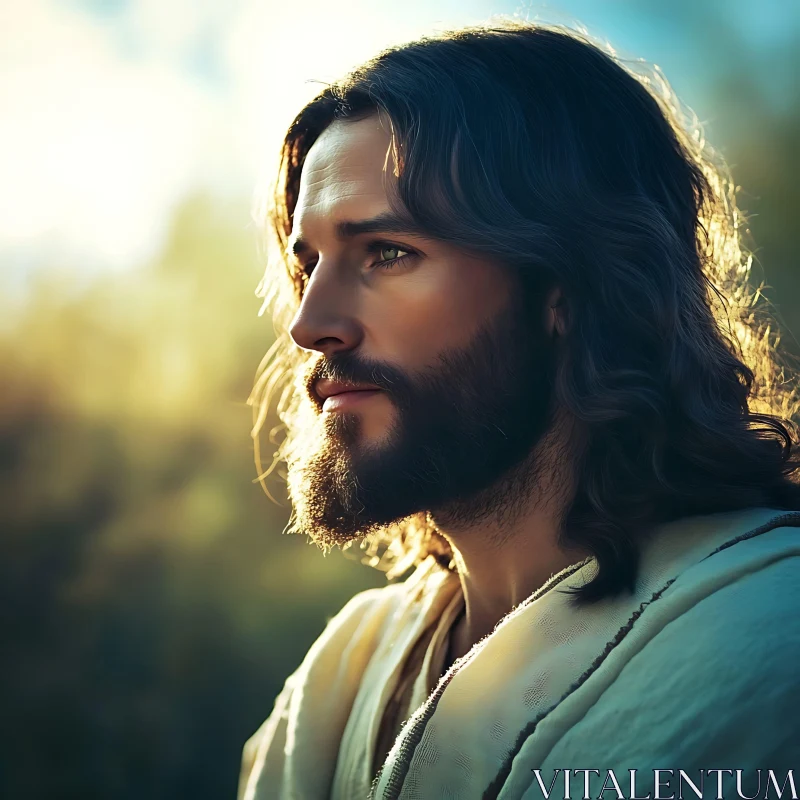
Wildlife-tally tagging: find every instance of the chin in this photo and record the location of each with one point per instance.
(373, 444)
(360, 433)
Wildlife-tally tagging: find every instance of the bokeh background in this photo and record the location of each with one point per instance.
(151, 607)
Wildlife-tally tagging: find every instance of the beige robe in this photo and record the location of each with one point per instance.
(708, 644)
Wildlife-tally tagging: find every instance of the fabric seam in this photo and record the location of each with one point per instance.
(786, 520)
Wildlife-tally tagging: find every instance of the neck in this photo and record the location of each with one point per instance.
(506, 555)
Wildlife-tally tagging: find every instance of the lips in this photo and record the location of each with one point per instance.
(327, 388)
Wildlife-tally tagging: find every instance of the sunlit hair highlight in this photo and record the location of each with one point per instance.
(539, 146)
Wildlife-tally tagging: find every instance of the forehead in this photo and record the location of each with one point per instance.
(347, 171)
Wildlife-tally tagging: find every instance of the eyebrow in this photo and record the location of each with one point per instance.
(386, 222)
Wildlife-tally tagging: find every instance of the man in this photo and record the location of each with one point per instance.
(508, 363)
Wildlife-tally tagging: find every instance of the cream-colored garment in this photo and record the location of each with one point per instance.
(350, 672)
(358, 749)
(421, 672)
(709, 641)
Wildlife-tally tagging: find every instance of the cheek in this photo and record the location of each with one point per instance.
(438, 307)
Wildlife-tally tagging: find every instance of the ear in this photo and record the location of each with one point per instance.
(555, 321)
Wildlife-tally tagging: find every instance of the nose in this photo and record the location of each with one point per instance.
(326, 320)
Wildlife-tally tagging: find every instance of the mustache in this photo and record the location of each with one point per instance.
(349, 368)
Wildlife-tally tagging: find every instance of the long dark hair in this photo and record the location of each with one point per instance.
(538, 146)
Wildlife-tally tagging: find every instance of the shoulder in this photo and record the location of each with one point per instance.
(748, 616)
(312, 708)
(741, 641)
(714, 684)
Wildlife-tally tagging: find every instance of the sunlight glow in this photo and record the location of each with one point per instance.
(112, 115)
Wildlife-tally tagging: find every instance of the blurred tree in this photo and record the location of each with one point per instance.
(749, 58)
(151, 607)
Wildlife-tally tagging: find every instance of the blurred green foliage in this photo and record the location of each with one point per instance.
(151, 607)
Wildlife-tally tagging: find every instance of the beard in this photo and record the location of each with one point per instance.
(460, 447)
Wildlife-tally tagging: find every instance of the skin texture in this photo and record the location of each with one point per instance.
(406, 315)
(436, 300)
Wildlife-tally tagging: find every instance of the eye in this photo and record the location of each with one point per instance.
(390, 250)
(388, 255)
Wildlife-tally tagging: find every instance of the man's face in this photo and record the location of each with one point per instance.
(449, 370)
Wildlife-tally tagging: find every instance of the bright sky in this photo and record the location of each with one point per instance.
(113, 110)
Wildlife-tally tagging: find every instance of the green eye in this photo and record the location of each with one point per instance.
(389, 253)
